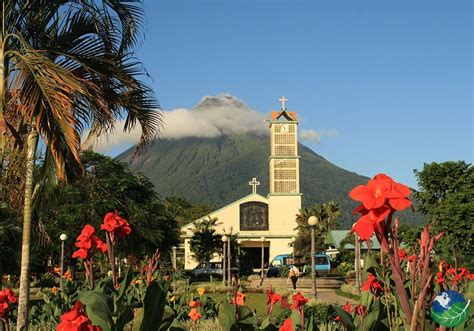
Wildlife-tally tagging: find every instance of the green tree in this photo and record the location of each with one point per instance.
(109, 185)
(205, 240)
(327, 214)
(66, 66)
(185, 212)
(446, 196)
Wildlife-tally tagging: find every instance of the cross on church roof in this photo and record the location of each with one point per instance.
(283, 99)
(254, 183)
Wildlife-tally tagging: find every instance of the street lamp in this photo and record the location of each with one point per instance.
(228, 233)
(175, 264)
(262, 239)
(293, 240)
(312, 221)
(239, 243)
(224, 240)
(63, 238)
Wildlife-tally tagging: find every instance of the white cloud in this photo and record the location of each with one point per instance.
(315, 136)
(214, 116)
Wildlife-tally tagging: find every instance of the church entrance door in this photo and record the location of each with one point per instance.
(251, 259)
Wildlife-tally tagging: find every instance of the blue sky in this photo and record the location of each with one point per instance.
(394, 78)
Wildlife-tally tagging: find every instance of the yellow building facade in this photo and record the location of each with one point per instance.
(256, 217)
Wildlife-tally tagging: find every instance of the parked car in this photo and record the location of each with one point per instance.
(214, 269)
(322, 264)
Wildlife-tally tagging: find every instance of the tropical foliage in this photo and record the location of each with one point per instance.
(205, 240)
(67, 66)
(446, 196)
(327, 215)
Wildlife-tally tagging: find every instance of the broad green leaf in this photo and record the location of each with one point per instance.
(99, 308)
(125, 283)
(345, 317)
(295, 318)
(137, 320)
(153, 307)
(246, 316)
(226, 315)
(125, 316)
(454, 316)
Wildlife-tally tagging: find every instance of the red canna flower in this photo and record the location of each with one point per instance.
(88, 243)
(194, 304)
(7, 297)
(381, 196)
(371, 284)
(361, 310)
(451, 271)
(402, 254)
(273, 297)
(114, 223)
(194, 314)
(76, 320)
(348, 307)
(298, 301)
(440, 277)
(374, 194)
(287, 325)
(238, 299)
(411, 258)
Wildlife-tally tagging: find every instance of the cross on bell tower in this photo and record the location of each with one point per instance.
(254, 183)
(283, 99)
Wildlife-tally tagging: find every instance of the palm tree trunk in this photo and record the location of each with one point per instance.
(22, 321)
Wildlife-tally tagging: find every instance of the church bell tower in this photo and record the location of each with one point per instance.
(284, 163)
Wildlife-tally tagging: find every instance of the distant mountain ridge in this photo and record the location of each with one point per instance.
(217, 170)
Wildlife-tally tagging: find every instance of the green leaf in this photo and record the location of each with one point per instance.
(125, 283)
(345, 317)
(125, 316)
(246, 316)
(99, 308)
(153, 307)
(226, 316)
(456, 315)
(295, 318)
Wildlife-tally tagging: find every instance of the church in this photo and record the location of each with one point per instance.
(259, 220)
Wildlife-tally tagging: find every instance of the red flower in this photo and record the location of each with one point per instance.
(371, 284)
(238, 299)
(273, 297)
(381, 196)
(411, 258)
(402, 254)
(287, 325)
(76, 320)
(440, 277)
(298, 301)
(7, 297)
(88, 243)
(348, 307)
(194, 314)
(194, 304)
(361, 310)
(374, 194)
(115, 224)
(451, 271)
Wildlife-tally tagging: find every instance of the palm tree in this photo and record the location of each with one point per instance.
(303, 239)
(205, 240)
(333, 211)
(67, 66)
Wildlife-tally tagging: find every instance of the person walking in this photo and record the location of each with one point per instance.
(293, 276)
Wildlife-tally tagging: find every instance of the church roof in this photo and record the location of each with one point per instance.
(289, 115)
(336, 236)
(226, 206)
